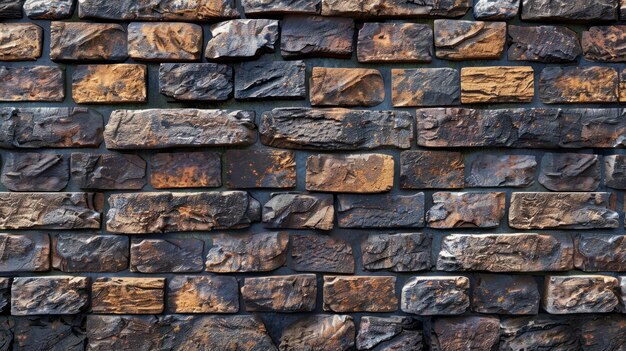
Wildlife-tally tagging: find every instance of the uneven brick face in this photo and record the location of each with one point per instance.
(49, 295)
(380, 211)
(164, 41)
(548, 44)
(489, 170)
(392, 333)
(24, 252)
(622, 86)
(261, 252)
(319, 332)
(465, 333)
(196, 81)
(360, 294)
(11, 9)
(299, 211)
(186, 170)
(436, 295)
(156, 10)
(202, 294)
(49, 332)
(496, 9)
(260, 169)
(89, 253)
(5, 298)
(469, 40)
(35, 172)
(406, 252)
(128, 295)
(466, 210)
(579, 294)
(600, 252)
(108, 171)
(506, 294)
(317, 253)
(578, 85)
(615, 171)
(397, 8)
(425, 87)
(306, 36)
(516, 333)
(20, 41)
(256, 36)
(33, 83)
(604, 44)
(431, 170)
(53, 9)
(270, 80)
(367, 173)
(395, 42)
(570, 172)
(274, 7)
(166, 255)
(346, 87)
(603, 332)
(289, 293)
(75, 41)
(570, 11)
(497, 84)
(116, 83)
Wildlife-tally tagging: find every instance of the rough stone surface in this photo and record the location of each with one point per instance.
(570, 172)
(436, 295)
(162, 212)
(165, 128)
(49, 333)
(600, 252)
(406, 252)
(11, 9)
(543, 332)
(605, 44)
(116, 83)
(186, 170)
(127, 295)
(497, 84)
(469, 40)
(288, 293)
(603, 333)
(364, 173)
(569, 11)
(360, 294)
(49, 295)
(395, 42)
(466, 210)
(578, 85)
(261, 252)
(108, 171)
(24, 253)
(49, 9)
(425, 87)
(464, 333)
(527, 252)
(32, 83)
(157, 10)
(270, 80)
(260, 169)
(335, 129)
(202, 294)
(548, 44)
(306, 36)
(77, 41)
(615, 171)
(562, 211)
(505, 294)
(254, 36)
(495, 9)
(89, 253)
(196, 81)
(321, 253)
(319, 332)
(431, 170)
(166, 255)
(380, 211)
(346, 87)
(397, 8)
(299, 211)
(398, 333)
(279, 7)
(35, 172)
(579, 294)
(490, 170)
(173, 41)
(20, 41)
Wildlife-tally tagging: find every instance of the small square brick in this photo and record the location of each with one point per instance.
(570, 171)
(115, 83)
(78, 41)
(35, 172)
(20, 41)
(24, 253)
(255, 36)
(49, 295)
(380, 211)
(364, 173)
(425, 87)
(196, 81)
(431, 170)
(108, 171)
(497, 84)
(469, 40)
(165, 41)
(287, 293)
(316, 36)
(49, 9)
(346, 87)
(321, 253)
(488, 170)
(89, 252)
(615, 171)
(436, 295)
(360, 294)
(578, 85)
(548, 44)
(166, 255)
(580, 294)
(202, 294)
(260, 169)
(128, 295)
(466, 210)
(186, 170)
(395, 42)
(32, 83)
(299, 211)
(270, 80)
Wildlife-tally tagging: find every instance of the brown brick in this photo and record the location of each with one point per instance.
(164, 41)
(578, 84)
(319, 332)
(490, 170)
(116, 83)
(360, 294)
(602, 332)
(157, 10)
(580, 294)
(78, 41)
(287, 293)
(466, 210)
(431, 170)
(366, 173)
(89, 252)
(305, 36)
(497, 84)
(389, 333)
(108, 171)
(321, 253)
(255, 36)
(202, 294)
(496, 9)
(280, 7)
(346, 87)
(406, 252)
(32, 83)
(166, 255)
(20, 41)
(186, 170)
(505, 294)
(548, 44)
(24, 252)
(615, 171)
(541, 331)
(196, 81)
(570, 172)
(600, 252)
(49, 9)
(35, 172)
(381, 211)
(569, 10)
(394, 8)
(395, 42)
(436, 295)
(605, 44)
(465, 333)
(260, 169)
(622, 86)
(469, 40)
(261, 252)
(49, 295)
(299, 211)
(127, 295)
(270, 80)
(425, 87)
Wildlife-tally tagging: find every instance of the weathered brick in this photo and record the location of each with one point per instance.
(469, 40)
(425, 87)
(261, 252)
(321, 253)
(389, 333)
(496, 9)
(89, 252)
(394, 8)
(270, 80)
(35, 172)
(548, 44)
(49, 295)
(505, 294)
(49, 333)
(465, 333)
(579, 294)
(381, 211)
(346, 87)
(115, 83)
(260, 168)
(360, 294)
(202, 294)
(603, 333)
(578, 84)
(407, 252)
(78, 41)
(157, 10)
(600, 252)
(108, 171)
(436, 295)
(164, 41)
(526, 252)
(366, 173)
(11, 9)
(162, 212)
(431, 170)
(32, 83)
(490, 170)
(621, 295)
(570, 172)
(254, 37)
(497, 84)
(167, 128)
(24, 252)
(20, 41)
(622, 86)
(50, 210)
(280, 7)
(288, 293)
(196, 81)
(605, 44)
(299, 211)
(466, 210)
(49, 9)
(562, 211)
(569, 10)
(166, 255)
(186, 170)
(615, 171)
(127, 295)
(5, 300)
(319, 332)
(395, 42)
(543, 331)
(305, 36)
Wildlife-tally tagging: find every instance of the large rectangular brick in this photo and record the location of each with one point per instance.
(49, 295)
(270, 80)
(497, 84)
(260, 169)
(287, 293)
(431, 170)
(578, 84)
(569, 10)
(157, 10)
(395, 42)
(89, 252)
(128, 295)
(31, 171)
(380, 211)
(196, 81)
(321, 253)
(108, 171)
(605, 44)
(360, 294)
(306, 36)
(395, 8)
(32, 83)
(466, 210)
(580, 294)
(255, 36)
(436, 295)
(159, 212)
(406, 252)
(166, 255)
(24, 253)
(115, 83)
(261, 252)
(366, 173)
(299, 211)
(164, 41)
(79, 41)
(469, 40)
(186, 170)
(20, 41)
(490, 170)
(202, 294)
(346, 87)
(548, 44)
(570, 172)
(280, 7)
(600, 252)
(425, 87)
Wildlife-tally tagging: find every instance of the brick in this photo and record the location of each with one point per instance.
(299, 211)
(604, 44)
(5, 297)
(578, 85)
(615, 171)
(579, 294)
(360, 294)
(321, 253)
(156, 10)
(20, 41)
(255, 36)
(394, 8)
(496, 9)
(49, 9)
(32, 83)
(367, 173)
(49, 295)
(562, 211)
(54, 127)
(49, 333)
(287, 293)
(127, 295)
(506, 294)
(497, 84)
(108, 171)
(622, 86)
(380, 211)
(603, 333)
(78, 41)
(346, 87)
(542, 331)
(164, 41)
(621, 295)
(395, 42)
(622, 9)
(186, 170)
(469, 40)
(163, 212)
(548, 44)
(24, 253)
(270, 80)
(202, 294)
(306, 36)
(466, 210)
(127, 129)
(491, 170)
(50, 210)
(115, 83)
(280, 7)
(406, 252)
(260, 168)
(600, 252)
(89, 253)
(569, 11)
(196, 81)
(261, 252)
(389, 333)
(35, 172)
(425, 87)
(436, 295)
(166, 255)
(570, 172)
(11, 9)
(335, 129)
(319, 332)
(431, 170)
(465, 333)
